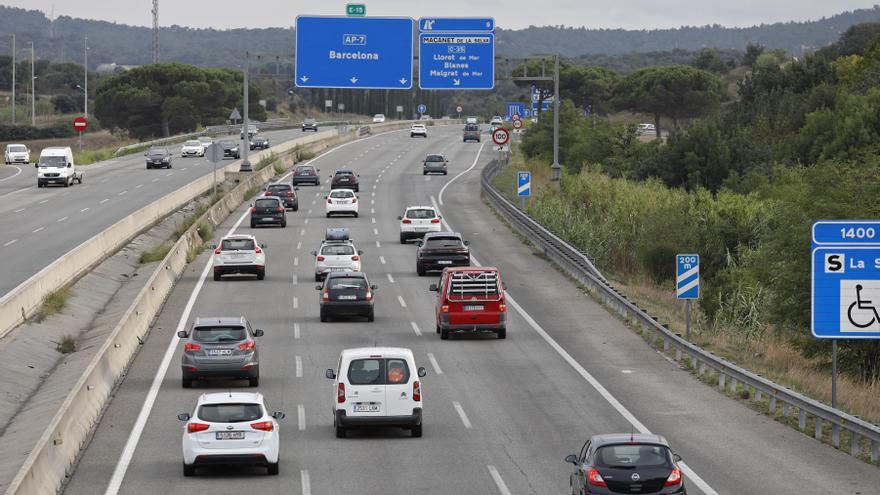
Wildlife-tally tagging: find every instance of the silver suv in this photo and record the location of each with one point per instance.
(336, 256)
(220, 347)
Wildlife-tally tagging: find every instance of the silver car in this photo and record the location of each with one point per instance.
(220, 347)
(434, 163)
(336, 256)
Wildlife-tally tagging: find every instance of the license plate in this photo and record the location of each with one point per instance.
(365, 408)
(337, 269)
(229, 435)
(219, 352)
(347, 298)
(268, 219)
(444, 262)
(475, 307)
(421, 229)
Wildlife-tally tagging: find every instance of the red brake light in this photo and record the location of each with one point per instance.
(253, 209)
(354, 200)
(320, 258)
(594, 478)
(326, 295)
(329, 201)
(674, 478)
(189, 347)
(258, 250)
(280, 209)
(264, 426)
(407, 221)
(196, 427)
(340, 393)
(217, 251)
(444, 308)
(355, 258)
(248, 346)
(417, 391)
(435, 220)
(289, 194)
(369, 296)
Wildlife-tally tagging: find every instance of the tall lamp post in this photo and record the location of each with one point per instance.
(245, 145)
(13, 79)
(33, 90)
(86, 77)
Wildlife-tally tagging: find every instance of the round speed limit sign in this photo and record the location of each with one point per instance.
(515, 117)
(500, 137)
(517, 124)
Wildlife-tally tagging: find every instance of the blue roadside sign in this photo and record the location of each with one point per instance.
(845, 281)
(354, 52)
(687, 276)
(524, 184)
(456, 53)
(422, 108)
(516, 108)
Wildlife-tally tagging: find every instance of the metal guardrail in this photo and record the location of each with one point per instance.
(863, 435)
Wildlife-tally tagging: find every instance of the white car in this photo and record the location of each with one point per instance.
(378, 118)
(230, 428)
(417, 221)
(205, 141)
(192, 148)
(238, 254)
(17, 153)
(418, 130)
(377, 386)
(336, 256)
(341, 201)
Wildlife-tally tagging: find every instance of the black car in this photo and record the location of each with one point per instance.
(345, 179)
(346, 294)
(268, 210)
(439, 250)
(158, 158)
(259, 143)
(310, 125)
(230, 149)
(285, 192)
(626, 463)
(306, 174)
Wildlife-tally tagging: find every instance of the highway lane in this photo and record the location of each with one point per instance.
(39, 224)
(496, 412)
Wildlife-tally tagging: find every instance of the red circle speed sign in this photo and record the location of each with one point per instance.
(80, 124)
(458, 109)
(515, 117)
(517, 124)
(500, 136)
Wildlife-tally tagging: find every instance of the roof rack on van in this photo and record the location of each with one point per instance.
(474, 283)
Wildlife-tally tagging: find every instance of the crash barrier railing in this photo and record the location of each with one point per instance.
(864, 437)
(51, 460)
(363, 130)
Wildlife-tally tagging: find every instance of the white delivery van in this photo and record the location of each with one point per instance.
(17, 153)
(56, 166)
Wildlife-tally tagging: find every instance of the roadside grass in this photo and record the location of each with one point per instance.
(189, 220)
(67, 345)
(89, 157)
(266, 161)
(53, 303)
(251, 192)
(156, 253)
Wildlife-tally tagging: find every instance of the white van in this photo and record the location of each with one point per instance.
(377, 386)
(471, 120)
(17, 153)
(56, 166)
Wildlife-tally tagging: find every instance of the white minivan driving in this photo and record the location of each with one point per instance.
(56, 166)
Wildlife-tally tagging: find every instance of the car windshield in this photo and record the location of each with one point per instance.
(158, 151)
(18, 148)
(53, 161)
(420, 213)
(309, 121)
(472, 127)
(266, 203)
(206, 140)
(337, 250)
(279, 188)
(341, 194)
(227, 144)
(230, 413)
(192, 143)
(305, 170)
(632, 456)
(344, 173)
(218, 334)
(443, 242)
(237, 245)
(347, 283)
(435, 158)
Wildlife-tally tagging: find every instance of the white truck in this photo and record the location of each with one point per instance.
(56, 166)
(17, 153)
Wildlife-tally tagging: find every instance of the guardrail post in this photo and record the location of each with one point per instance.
(721, 380)
(802, 419)
(733, 384)
(772, 404)
(785, 409)
(702, 367)
(835, 435)
(758, 395)
(875, 450)
(665, 344)
(854, 449)
(678, 354)
(818, 432)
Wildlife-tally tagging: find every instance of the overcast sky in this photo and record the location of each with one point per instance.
(510, 14)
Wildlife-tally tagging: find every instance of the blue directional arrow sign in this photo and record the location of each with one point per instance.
(524, 184)
(354, 52)
(516, 108)
(687, 278)
(422, 108)
(456, 53)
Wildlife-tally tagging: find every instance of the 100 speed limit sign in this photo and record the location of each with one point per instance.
(500, 137)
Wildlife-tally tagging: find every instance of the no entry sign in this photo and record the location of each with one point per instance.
(80, 124)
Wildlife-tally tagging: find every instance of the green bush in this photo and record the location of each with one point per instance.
(658, 263)
(156, 253)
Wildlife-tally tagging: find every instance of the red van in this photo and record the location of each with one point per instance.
(470, 299)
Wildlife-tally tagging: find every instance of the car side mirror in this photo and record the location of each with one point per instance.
(278, 415)
(330, 374)
(676, 457)
(183, 416)
(314, 253)
(400, 218)
(571, 459)
(374, 287)
(433, 288)
(440, 217)
(422, 372)
(467, 243)
(183, 334)
(145, 153)
(258, 332)
(318, 169)
(360, 251)
(69, 165)
(319, 287)
(296, 189)
(419, 243)
(36, 165)
(264, 245)
(251, 205)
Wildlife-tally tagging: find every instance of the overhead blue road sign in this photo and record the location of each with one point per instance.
(457, 24)
(524, 184)
(515, 108)
(845, 285)
(456, 53)
(687, 276)
(422, 108)
(546, 103)
(354, 52)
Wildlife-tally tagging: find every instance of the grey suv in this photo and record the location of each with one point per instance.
(220, 347)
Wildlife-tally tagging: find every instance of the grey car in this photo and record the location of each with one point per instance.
(220, 347)
(434, 163)
(158, 157)
(259, 142)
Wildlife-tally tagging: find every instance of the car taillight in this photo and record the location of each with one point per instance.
(196, 427)
(435, 220)
(326, 295)
(279, 210)
(289, 194)
(406, 221)
(417, 391)
(594, 478)
(258, 250)
(253, 209)
(320, 258)
(189, 347)
(329, 201)
(355, 258)
(369, 296)
(340, 393)
(444, 308)
(354, 200)
(502, 307)
(248, 346)
(674, 478)
(217, 251)
(264, 426)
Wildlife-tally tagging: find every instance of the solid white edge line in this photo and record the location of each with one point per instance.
(450, 181)
(13, 175)
(415, 328)
(434, 363)
(461, 414)
(499, 482)
(301, 417)
(306, 482)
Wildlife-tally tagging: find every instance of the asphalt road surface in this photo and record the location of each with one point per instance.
(499, 416)
(37, 225)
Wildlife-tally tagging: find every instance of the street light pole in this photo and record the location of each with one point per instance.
(555, 168)
(33, 90)
(86, 77)
(13, 79)
(245, 146)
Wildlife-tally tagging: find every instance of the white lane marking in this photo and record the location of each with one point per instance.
(306, 482)
(317, 193)
(378, 244)
(295, 279)
(296, 261)
(374, 186)
(373, 219)
(427, 177)
(302, 232)
(382, 259)
(434, 363)
(169, 174)
(401, 301)
(296, 331)
(157, 179)
(87, 208)
(476, 159)
(299, 367)
(137, 430)
(15, 174)
(372, 211)
(295, 302)
(298, 244)
(41, 228)
(123, 192)
(416, 329)
(141, 185)
(372, 201)
(502, 487)
(313, 201)
(310, 210)
(375, 231)
(104, 200)
(306, 222)
(461, 414)
(22, 209)
(11, 242)
(61, 219)
(374, 194)
(390, 278)
(46, 200)
(301, 417)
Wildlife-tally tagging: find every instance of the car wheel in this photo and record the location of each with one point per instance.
(261, 274)
(328, 214)
(79, 180)
(424, 172)
(272, 468)
(417, 431)
(189, 470)
(340, 432)
(402, 239)
(355, 214)
(67, 182)
(254, 381)
(437, 328)
(323, 316)
(186, 383)
(502, 334)
(253, 225)
(371, 316)
(444, 334)
(149, 167)
(420, 269)
(445, 172)
(217, 277)
(317, 278)
(284, 223)
(296, 207)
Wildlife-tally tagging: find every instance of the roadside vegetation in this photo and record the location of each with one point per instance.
(53, 303)
(156, 253)
(67, 345)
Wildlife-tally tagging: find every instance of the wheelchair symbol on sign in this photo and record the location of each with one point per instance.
(856, 311)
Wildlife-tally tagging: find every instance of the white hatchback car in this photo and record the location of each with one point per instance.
(192, 148)
(237, 254)
(418, 130)
(417, 221)
(341, 201)
(230, 428)
(378, 118)
(377, 386)
(336, 256)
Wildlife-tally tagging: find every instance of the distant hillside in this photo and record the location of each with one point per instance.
(110, 42)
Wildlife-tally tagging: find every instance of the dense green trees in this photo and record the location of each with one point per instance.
(165, 99)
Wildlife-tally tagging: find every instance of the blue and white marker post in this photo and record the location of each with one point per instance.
(523, 187)
(687, 285)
